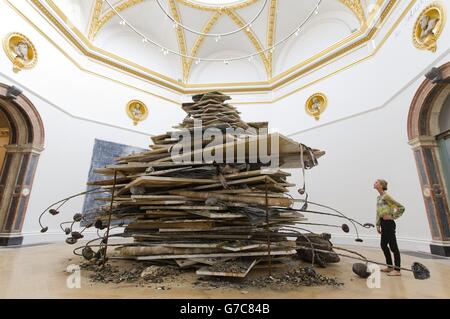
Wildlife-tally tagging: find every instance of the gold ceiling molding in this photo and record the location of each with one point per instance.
(81, 68)
(262, 86)
(201, 38)
(130, 3)
(102, 56)
(371, 55)
(110, 14)
(93, 23)
(252, 37)
(244, 90)
(271, 33)
(216, 8)
(181, 39)
(356, 7)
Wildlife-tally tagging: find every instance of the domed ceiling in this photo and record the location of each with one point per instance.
(204, 42)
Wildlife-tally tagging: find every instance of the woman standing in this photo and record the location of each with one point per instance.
(387, 210)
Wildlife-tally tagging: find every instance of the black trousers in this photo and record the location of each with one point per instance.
(388, 240)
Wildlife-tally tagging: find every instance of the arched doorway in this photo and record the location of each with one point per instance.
(24, 132)
(429, 136)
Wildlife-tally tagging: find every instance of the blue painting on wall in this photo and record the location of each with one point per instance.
(103, 154)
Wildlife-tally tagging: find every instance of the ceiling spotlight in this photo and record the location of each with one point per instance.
(197, 61)
(249, 27)
(250, 58)
(272, 50)
(226, 62)
(297, 32)
(166, 52)
(144, 40)
(316, 11)
(218, 38)
(122, 22)
(175, 25)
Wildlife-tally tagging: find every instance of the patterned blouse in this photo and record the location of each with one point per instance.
(386, 205)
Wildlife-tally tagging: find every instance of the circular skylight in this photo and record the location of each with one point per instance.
(218, 2)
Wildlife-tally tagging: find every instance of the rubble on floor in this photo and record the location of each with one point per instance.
(141, 274)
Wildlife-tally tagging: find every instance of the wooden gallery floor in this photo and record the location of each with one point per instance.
(40, 272)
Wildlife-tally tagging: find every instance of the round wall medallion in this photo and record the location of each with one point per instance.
(137, 111)
(316, 105)
(429, 26)
(20, 50)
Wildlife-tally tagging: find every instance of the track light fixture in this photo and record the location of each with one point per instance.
(217, 36)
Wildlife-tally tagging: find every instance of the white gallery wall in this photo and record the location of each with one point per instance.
(363, 130)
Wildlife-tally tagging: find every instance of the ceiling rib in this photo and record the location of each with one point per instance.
(98, 21)
(181, 38)
(200, 39)
(356, 7)
(110, 14)
(93, 23)
(252, 37)
(271, 33)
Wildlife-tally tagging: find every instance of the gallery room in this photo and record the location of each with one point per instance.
(210, 149)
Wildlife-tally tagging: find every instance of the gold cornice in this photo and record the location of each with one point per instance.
(356, 7)
(132, 68)
(282, 79)
(377, 48)
(93, 23)
(371, 55)
(201, 38)
(271, 33)
(252, 37)
(263, 86)
(180, 38)
(81, 68)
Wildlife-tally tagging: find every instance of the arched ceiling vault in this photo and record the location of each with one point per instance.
(102, 14)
